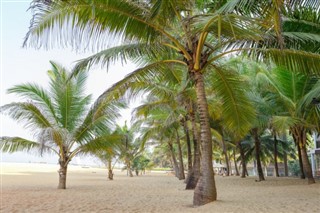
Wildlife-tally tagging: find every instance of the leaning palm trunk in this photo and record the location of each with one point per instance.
(254, 132)
(296, 140)
(205, 190)
(174, 160)
(306, 164)
(300, 136)
(195, 174)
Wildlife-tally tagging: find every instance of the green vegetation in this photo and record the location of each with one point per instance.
(199, 99)
(61, 119)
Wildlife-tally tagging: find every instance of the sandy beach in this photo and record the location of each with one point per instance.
(32, 188)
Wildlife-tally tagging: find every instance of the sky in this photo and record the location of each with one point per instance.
(20, 65)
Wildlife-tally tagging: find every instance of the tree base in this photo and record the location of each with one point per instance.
(311, 181)
(203, 195)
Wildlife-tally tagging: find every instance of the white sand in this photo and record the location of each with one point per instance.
(32, 188)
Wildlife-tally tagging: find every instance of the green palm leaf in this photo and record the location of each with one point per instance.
(296, 61)
(14, 144)
(28, 113)
(237, 110)
(35, 93)
(283, 123)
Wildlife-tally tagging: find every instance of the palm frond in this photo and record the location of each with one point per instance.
(237, 110)
(36, 93)
(296, 61)
(165, 11)
(231, 26)
(68, 95)
(14, 144)
(86, 23)
(136, 52)
(103, 142)
(28, 113)
(217, 136)
(100, 118)
(283, 123)
(134, 83)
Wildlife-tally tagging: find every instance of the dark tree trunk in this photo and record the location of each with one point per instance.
(302, 174)
(186, 130)
(205, 190)
(306, 164)
(195, 174)
(235, 162)
(285, 162)
(226, 157)
(230, 164)
(174, 160)
(276, 155)
(62, 174)
(295, 138)
(301, 139)
(257, 144)
(110, 172)
(243, 161)
(181, 166)
(285, 156)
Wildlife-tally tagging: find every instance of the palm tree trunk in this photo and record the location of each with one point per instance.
(186, 130)
(192, 180)
(302, 143)
(62, 174)
(226, 157)
(285, 156)
(110, 173)
(129, 168)
(181, 166)
(285, 162)
(243, 161)
(175, 163)
(254, 131)
(302, 174)
(205, 190)
(306, 164)
(235, 162)
(276, 155)
(295, 135)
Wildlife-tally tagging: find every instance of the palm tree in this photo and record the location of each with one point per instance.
(140, 164)
(130, 146)
(192, 34)
(106, 156)
(226, 102)
(295, 92)
(161, 121)
(57, 117)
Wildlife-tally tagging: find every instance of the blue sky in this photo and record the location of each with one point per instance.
(20, 65)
